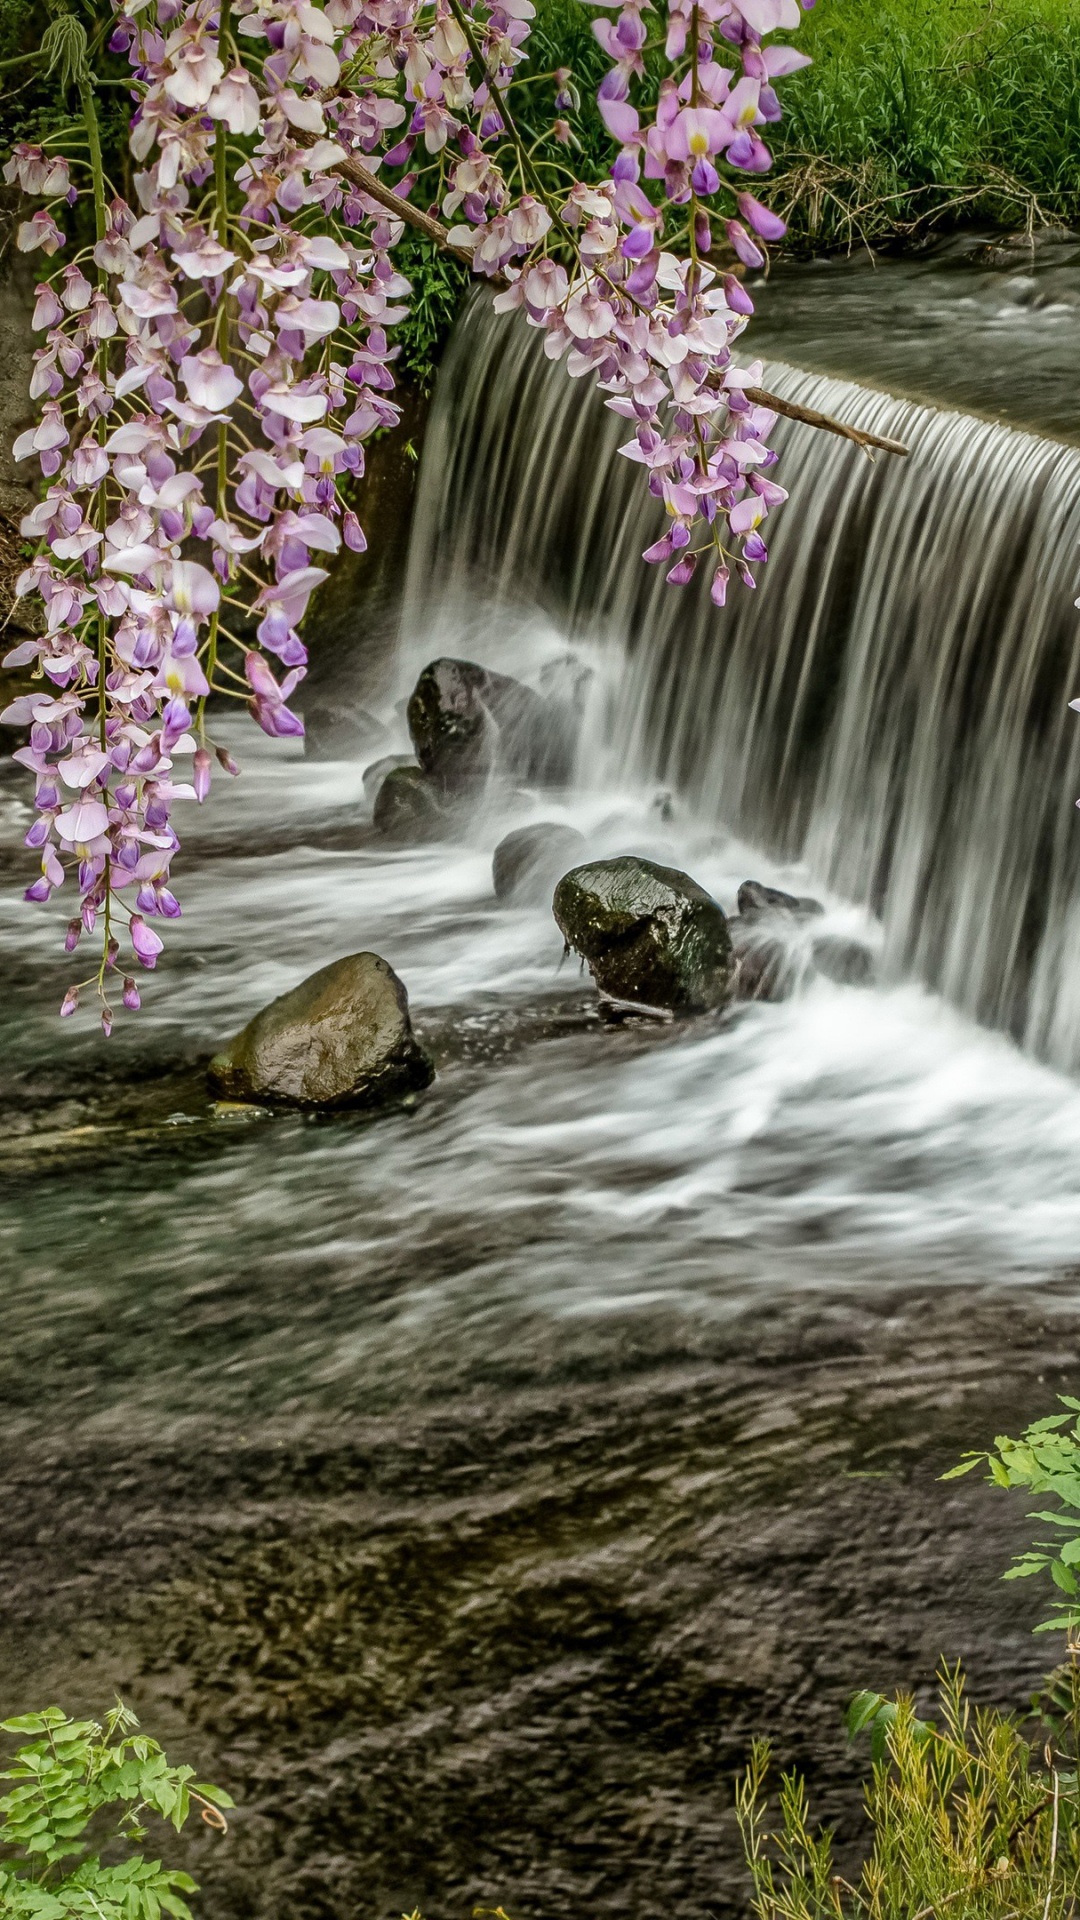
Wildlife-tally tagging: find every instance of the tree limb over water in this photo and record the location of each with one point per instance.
(425, 223)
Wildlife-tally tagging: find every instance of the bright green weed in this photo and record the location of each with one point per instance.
(80, 1790)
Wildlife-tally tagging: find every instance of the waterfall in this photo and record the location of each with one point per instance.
(890, 705)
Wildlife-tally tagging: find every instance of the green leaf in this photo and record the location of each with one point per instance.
(967, 1465)
(864, 1708)
(1062, 1578)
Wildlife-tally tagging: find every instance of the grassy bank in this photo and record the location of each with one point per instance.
(921, 114)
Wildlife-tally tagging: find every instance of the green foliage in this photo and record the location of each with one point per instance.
(966, 1815)
(561, 37)
(69, 1776)
(917, 115)
(439, 285)
(45, 45)
(1044, 1461)
(920, 114)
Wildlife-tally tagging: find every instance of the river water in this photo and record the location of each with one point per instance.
(465, 1487)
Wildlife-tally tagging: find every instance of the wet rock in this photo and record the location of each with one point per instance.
(378, 770)
(566, 680)
(342, 1038)
(847, 962)
(765, 970)
(527, 864)
(409, 806)
(467, 724)
(648, 933)
(756, 899)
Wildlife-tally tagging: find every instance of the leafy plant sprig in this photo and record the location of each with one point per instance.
(1045, 1460)
(66, 1775)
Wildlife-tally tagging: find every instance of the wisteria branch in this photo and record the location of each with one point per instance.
(361, 176)
(214, 363)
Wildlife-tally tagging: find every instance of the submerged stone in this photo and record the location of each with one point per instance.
(847, 962)
(339, 729)
(467, 723)
(527, 864)
(756, 899)
(564, 683)
(765, 970)
(408, 806)
(342, 1038)
(648, 933)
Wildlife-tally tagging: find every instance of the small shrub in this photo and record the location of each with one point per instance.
(975, 1814)
(1044, 1461)
(967, 1815)
(80, 1792)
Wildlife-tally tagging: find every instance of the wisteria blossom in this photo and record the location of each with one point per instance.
(211, 367)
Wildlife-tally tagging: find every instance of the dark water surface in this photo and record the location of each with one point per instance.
(465, 1488)
(983, 322)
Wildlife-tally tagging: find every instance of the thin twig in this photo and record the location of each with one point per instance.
(1053, 1848)
(810, 417)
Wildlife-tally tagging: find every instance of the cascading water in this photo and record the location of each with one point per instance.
(890, 706)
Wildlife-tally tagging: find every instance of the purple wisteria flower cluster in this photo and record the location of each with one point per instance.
(214, 361)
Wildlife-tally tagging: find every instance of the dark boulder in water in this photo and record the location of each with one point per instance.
(527, 864)
(342, 1038)
(847, 962)
(467, 724)
(755, 899)
(648, 933)
(409, 806)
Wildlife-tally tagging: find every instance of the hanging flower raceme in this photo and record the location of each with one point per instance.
(212, 365)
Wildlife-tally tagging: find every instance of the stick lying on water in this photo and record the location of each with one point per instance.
(425, 223)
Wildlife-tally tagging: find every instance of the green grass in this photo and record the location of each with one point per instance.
(921, 114)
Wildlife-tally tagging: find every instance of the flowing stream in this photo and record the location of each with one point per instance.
(471, 1483)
